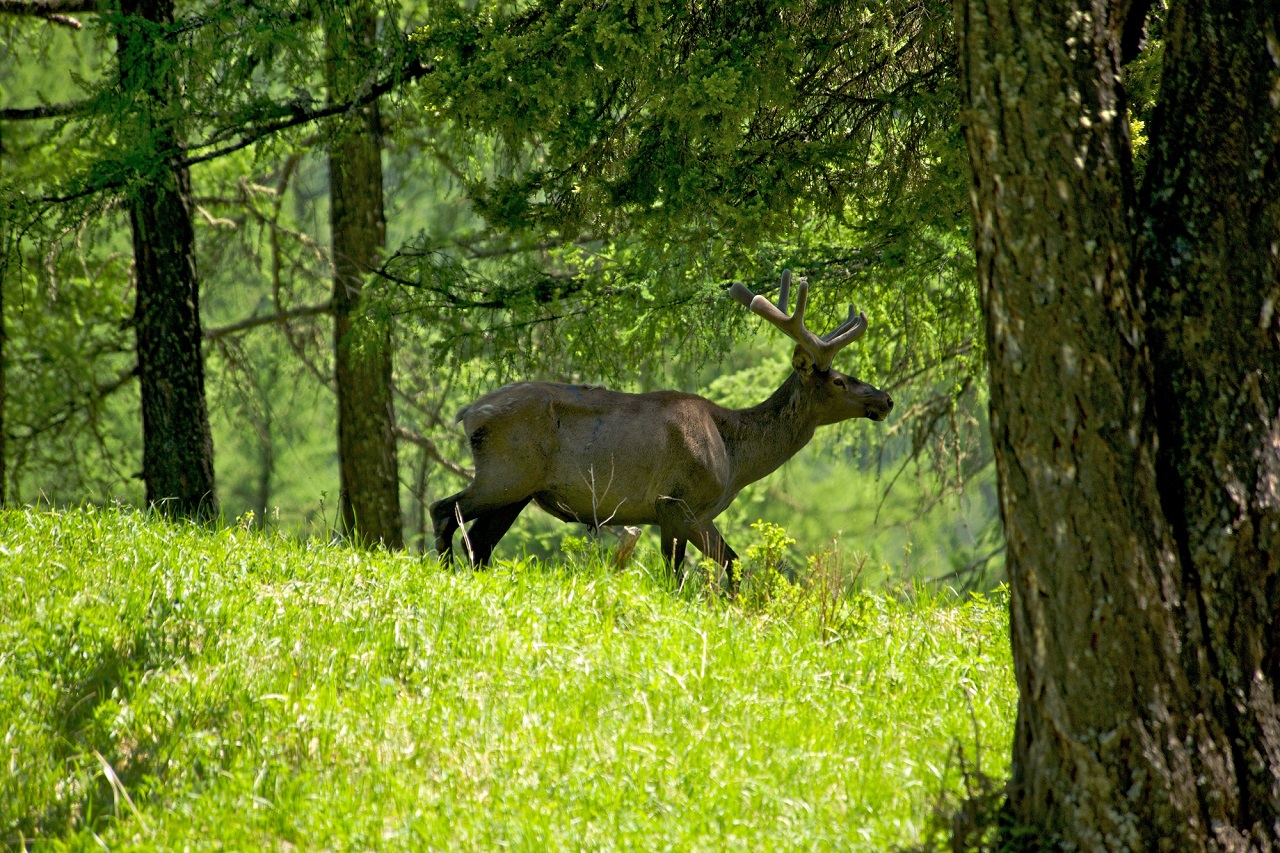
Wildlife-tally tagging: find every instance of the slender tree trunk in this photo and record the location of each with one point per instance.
(266, 471)
(1133, 413)
(369, 482)
(177, 458)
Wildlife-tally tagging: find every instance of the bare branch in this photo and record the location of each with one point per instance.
(95, 395)
(434, 452)
(267, 319)
(302, 115)
(47, 8)
(980, 563)
(42, 111)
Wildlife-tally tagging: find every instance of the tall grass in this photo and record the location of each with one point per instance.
(168, 687)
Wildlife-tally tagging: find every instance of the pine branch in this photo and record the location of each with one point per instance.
(251, 135)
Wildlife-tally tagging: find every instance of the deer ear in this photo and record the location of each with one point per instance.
(802, 361)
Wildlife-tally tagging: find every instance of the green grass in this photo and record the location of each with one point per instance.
(168, 687)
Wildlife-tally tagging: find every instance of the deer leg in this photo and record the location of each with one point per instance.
(673, 547)
(447, 514)
(711, 543)
(444, 522)
(673, 528)
(489, 527)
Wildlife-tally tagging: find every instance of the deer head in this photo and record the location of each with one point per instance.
(835, 396)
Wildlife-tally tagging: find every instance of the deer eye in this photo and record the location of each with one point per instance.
(839, 383)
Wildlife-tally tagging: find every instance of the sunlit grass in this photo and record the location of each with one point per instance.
(164, 687)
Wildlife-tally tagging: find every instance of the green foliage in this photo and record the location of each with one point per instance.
(630, 159)
(69, 380)
(767, 554)
(765, 587)
(1142, 86)
(163, 686)
(671, 117)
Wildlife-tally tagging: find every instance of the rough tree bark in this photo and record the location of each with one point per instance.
(1134, 411)
(1211, 208)
(369, 482)
(177, 456)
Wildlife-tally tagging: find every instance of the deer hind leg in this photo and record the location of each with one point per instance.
(444, 523)
(489, 528)
(490, 512)
(494, 490)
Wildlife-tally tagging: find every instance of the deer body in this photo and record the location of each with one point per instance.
(600, 457)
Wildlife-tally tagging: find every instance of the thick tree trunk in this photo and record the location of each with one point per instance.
(1120, 743)
(369, 482)
(1213, 281)
(177, 456)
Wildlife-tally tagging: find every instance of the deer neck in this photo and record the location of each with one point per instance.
(761, 438)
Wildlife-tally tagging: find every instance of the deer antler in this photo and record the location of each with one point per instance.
(823, 349)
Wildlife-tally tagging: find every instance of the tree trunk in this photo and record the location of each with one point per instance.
(177, 456)
(369, 483)
(1212, 206)
(266, 470)
(1124, 738)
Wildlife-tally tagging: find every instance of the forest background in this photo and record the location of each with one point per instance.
(532, 226)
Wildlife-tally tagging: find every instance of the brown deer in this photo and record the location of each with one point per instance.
(590, 455)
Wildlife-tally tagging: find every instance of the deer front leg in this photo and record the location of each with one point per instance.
(713, 546)
(673, 529)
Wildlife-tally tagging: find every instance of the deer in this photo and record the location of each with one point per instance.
(594, 456)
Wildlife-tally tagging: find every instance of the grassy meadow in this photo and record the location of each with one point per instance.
(171, 687)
